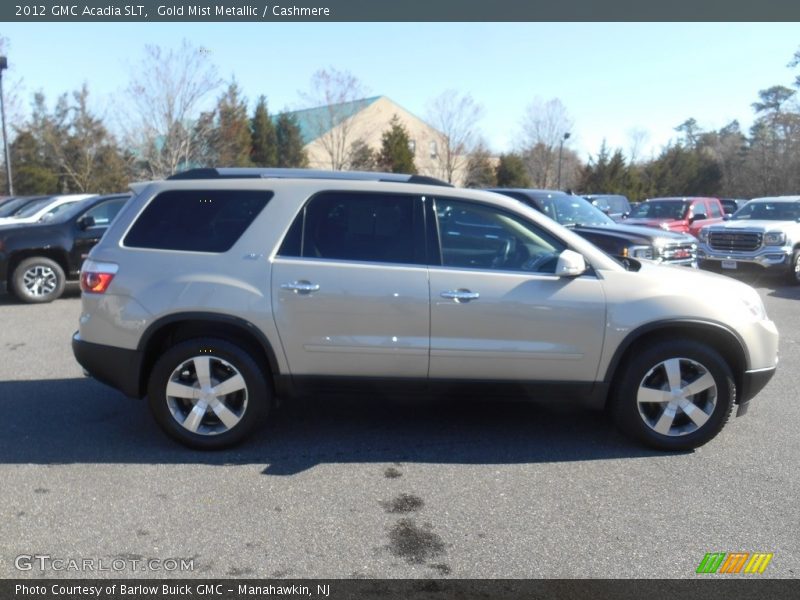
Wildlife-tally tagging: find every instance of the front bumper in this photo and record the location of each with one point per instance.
(118, 367)
(776, 258)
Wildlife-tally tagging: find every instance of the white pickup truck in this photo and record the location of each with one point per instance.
(762, 235)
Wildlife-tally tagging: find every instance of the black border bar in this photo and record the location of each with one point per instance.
(396, 10)
(751, 587)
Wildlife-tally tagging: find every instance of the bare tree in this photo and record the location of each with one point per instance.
(638, 138)
(544, 126)
(331, 100)
(455, 118)
(167, 90)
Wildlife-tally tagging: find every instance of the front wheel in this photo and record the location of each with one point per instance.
(794, 269)
(208, 393)
(675, 395)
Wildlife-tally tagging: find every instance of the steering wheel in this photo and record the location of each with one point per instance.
(535, 263)
(503, 254)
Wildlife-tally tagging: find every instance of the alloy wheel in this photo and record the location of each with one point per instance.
(676, 397)
(207, 395)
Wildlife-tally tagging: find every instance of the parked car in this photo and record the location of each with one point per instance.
(762, 236)
(731, 205)
(15, 203)
(688, 215)
(217, 291)
(42, 209)
(36, 261)
(617, 239)
(615, 206)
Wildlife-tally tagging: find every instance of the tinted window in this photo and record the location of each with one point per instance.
(196, 220)
(481, 237)
(359, 227)
(713, 210)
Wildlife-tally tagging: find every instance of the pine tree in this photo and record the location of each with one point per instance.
(264, 141)
(231, 136)
(289, 142)
(511, 171)
(396, 155)
(362, 157)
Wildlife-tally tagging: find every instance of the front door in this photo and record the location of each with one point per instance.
(498, 311)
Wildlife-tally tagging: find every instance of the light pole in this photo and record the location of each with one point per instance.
(560, 152)
(3, 67)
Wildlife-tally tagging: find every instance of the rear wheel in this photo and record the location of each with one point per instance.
(37, 280)
(675, 395)
(208, 393)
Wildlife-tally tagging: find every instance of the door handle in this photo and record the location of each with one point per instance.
(300, 287)
(460, 295)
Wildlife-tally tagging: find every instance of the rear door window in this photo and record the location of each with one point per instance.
(362, 227)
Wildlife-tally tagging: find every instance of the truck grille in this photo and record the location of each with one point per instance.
(742, 241)
(684, 252)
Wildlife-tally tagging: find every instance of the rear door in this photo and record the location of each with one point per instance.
(350, 287)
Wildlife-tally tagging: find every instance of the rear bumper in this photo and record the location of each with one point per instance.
(118, 367)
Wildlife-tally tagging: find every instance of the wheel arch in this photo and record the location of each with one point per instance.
(175, 328)
(55, 254)
(716, 335)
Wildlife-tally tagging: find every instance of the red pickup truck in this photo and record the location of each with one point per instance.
(688, 215)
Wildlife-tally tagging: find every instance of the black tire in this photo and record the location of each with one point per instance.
(794, 270)
(249, 405)
(37, 280)
(647, 369)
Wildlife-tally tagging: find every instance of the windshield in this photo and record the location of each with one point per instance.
(660, 209)
(768, 211)
(9, 208)
(573, 210)
(31, 209)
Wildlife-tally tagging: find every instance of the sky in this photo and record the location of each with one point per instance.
(613, 78)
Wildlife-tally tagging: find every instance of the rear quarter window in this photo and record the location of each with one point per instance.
(196, 220)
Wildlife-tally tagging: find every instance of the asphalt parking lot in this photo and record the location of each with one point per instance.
(352, 488)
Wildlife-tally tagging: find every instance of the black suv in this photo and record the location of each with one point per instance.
(36, 260)
(627, 241)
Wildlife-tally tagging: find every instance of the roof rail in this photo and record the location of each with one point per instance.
(276, 173)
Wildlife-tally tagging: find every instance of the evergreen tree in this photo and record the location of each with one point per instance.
(289, 142)
(511, 171)
(362, 157)
(231, 135)
(264, 142)
(396, 155)
(32, 175)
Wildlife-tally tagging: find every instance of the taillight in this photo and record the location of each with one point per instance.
(97, 276)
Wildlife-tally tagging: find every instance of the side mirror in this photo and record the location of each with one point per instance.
(85, 222)
(698, 217)
(570, 264)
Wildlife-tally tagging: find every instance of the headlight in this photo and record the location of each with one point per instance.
(703, 235)
(641, 252)
(775, 238)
